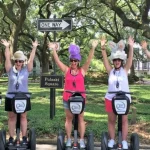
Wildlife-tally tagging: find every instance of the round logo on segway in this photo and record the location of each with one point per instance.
(20, 106)
(76, 107)
(120, 106)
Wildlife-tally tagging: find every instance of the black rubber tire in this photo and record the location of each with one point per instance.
(32, 139)
(61, 141)
(90, 141)
(134, 141)
(2, 139)
(104, 141)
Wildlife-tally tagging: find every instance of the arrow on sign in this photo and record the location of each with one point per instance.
(62, 24)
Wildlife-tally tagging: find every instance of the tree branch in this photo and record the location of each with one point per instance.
(8, 11)
(145, 11)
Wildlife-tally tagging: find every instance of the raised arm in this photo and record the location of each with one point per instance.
(32, 55)
(7, 55)
(144, 47)
(130, 58)
(107, 65)
(91, 54)
(53, 47)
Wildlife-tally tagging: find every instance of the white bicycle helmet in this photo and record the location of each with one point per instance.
(117, 50)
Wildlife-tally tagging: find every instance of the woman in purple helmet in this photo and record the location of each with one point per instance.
(74, 80)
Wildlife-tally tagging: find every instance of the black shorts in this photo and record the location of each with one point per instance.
(8, 104)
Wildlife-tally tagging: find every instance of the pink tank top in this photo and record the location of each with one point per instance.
(73, 83)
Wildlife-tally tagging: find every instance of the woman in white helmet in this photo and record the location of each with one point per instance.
(117, 81)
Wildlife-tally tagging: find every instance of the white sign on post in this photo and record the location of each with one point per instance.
(54, 24)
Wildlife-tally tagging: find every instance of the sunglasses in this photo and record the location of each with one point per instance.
(20, 61)
(75, 60)
(116, 59)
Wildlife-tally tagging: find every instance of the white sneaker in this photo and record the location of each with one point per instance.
(124, 144)
(111, 143)
(82, 143)
(68, 143)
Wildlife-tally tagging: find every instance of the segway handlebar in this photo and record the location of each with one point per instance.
(19, 92)
(119, 92)
(73, 92)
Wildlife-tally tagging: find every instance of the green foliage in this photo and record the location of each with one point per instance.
(96, 65)
(90, 19)
(1, 67)
(97, 73)
(132, 78)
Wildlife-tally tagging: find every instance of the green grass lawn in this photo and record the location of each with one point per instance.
(95, 116)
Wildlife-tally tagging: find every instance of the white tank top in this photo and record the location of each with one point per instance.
(117, 81)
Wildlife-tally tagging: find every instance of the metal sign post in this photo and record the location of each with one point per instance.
(52, 90)
(53, 25)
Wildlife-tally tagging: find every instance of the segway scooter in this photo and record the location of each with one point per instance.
(18, 107)
(76, 106)
(120, 105)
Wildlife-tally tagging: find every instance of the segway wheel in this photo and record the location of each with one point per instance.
(134, 145)
(60, 141)
(2, 139)
(104, 141)
(90, 141)
(32, 139)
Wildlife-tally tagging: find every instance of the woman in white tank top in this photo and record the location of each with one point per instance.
(117, 81)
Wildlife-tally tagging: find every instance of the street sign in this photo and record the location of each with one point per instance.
(54, 24)
(51, 81)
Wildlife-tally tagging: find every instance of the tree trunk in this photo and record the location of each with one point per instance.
(45, 62)
(132, 69)
(45, 55)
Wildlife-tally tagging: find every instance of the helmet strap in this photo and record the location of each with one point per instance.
(118, 68)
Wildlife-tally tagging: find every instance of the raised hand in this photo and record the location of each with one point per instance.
(52, 45)
(103, 41)
(94, 43)
(5, 43)
(131, 41)
(35, 43)
(144, 45)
